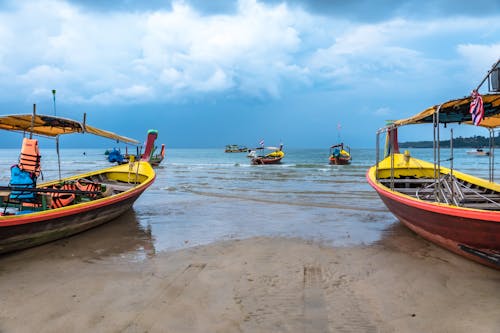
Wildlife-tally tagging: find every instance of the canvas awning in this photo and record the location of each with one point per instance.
(457, 111)
(52, 126)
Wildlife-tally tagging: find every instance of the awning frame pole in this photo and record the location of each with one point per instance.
(491, 155)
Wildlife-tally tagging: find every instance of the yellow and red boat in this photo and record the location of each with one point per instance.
(267, 155)
(34, 214)
(457, 211)
(339, 156)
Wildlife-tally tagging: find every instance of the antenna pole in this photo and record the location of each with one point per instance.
(54, 99)
(33, 121)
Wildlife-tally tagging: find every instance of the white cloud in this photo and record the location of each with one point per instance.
(402, 54)
(481, 54)
(259, 51)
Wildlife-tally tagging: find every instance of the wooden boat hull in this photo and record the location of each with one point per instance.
(471, 233)
(266, 160)
(340, 160)
(27, 230)
(155, 161)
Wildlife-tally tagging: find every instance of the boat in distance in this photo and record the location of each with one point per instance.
(339, 156)
(266, 155)
(33, 214)
(149, 155)
(478, 152)
(457, 211)
(235, 149)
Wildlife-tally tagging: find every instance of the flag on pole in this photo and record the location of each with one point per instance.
(476, 108)
(261, 143)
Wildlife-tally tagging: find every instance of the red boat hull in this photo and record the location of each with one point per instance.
(340, 160)
(470, 233)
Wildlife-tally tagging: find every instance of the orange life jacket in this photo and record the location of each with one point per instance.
(87, 186)
(63, 199)
(29, 160)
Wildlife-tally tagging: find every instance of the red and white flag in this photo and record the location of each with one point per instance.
(476, 108)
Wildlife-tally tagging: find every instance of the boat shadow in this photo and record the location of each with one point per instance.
(397, 238)
(122, 237)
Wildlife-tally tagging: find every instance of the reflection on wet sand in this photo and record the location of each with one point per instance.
(123, 237)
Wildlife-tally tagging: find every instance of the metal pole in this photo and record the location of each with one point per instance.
(434, 143)
(451, 167)
(377, 154)
(451, 151)
(33, 121)
(391, 142)
(58, 157)
(490, 155)
(438, 143)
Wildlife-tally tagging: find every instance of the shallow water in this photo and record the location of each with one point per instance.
(202, 196)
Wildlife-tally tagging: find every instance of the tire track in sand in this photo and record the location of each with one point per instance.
(315, 313)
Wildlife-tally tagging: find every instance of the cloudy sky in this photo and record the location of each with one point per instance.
(210, 73)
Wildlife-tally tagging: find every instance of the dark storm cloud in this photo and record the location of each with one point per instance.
(353, 10)
(373, 11)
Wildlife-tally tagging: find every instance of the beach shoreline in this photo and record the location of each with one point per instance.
(260, 284)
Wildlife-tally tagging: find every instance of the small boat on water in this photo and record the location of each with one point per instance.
(235, 149)
(115, 155)
(339, 156)
(156, 159)
(34, 214)
(479, 152)
(149, 154)
(266, 155)
(457, 211)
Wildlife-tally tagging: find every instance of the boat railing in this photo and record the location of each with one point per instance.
(452, 191)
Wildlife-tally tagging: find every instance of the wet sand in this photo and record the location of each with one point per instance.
(97, 282)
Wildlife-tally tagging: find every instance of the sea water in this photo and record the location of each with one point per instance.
(202, 196)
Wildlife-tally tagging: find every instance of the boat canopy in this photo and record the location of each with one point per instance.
(52, 126)
(457, 111)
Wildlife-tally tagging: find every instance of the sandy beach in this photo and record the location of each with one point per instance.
(400, 284)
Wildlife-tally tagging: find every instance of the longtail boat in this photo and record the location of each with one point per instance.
(457, 211)
(339, 156)
(150, 149)
(33, 214)
(115, 155)
(266, 155)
